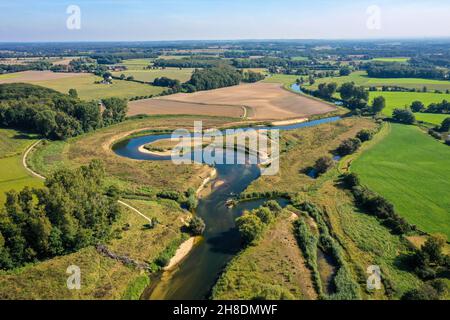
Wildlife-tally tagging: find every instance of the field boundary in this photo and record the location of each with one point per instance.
(345, 163)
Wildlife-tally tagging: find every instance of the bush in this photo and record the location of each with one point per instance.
(364, 135)
(348, 146)
(425, 292)
(323, 164)
(350, 180)
(445, 126)
(196, 226)
(250, 227)
(404, 116)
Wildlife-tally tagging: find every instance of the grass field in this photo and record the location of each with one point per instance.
(393, 59)
(402, 99)
(144, 177)
(412, 170)
(88, 90)
(149, 75)
(13, 175)
(136, 64)
(360, 78)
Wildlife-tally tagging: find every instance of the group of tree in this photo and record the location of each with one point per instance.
(190, 62)
(375, 205)
(323, 164)
(252, 223)
(212, 78)
(69, 213)
(429, 260)
(442, 107)
(37, 65)
(400, 70)
(55, 115)
(405, 116)
(166, 82)
(252, 77)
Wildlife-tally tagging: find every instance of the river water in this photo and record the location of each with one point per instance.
(196, 275)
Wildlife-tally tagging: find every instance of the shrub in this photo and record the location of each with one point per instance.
(404, 116)
(273, 206)
(364, 135)
(445, 126)
(323, 164)
(250, 227)
(196, 226)
(264, 214)
(350, 180)
(425, 292)
(348, 146)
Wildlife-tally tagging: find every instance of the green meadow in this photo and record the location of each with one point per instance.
(13, 175)
(412, 170)
(136, 64)
(404, 99)
(89, 90)
(360, 78)
(149, 75)
(393, 59)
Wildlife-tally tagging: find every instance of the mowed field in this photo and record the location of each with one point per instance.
(264, 100)
(412, 170)
(405, 99)
(149, 75)
(360, 78)
(13, 175)
(84, 84)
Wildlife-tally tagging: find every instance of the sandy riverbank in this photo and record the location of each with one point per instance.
(182, 252)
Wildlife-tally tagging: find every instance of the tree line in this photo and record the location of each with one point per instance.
(55, 115)
(398, 70)
(71, 212)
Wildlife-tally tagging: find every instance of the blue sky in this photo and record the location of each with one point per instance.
(135, 20)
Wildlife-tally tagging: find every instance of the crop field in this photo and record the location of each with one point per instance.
(402, 99)
(33, 76)
(84, 84)
(149, 75)
(360, 78)
(412, 170)
(266, 101)
(13, 175)
(393, 59)
(88, 90)
(136, 64)
(160, 106)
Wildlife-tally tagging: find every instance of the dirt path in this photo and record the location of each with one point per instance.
(33, 173)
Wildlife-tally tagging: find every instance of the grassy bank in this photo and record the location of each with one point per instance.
(13, 175)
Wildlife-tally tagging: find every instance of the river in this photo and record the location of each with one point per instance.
(194, 278)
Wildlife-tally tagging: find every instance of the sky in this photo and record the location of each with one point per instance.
(149, 20)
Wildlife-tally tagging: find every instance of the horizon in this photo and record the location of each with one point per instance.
(218, 20)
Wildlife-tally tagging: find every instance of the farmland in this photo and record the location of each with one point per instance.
(404, 99)
(12, 146)
(149, 75)
(411, 170)
(360, 78)
(266, 101)
(84, 84)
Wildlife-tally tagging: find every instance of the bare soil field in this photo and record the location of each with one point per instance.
(267, 101)
(31, 76)
(168, 106)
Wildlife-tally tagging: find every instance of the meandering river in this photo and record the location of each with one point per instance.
(197, 274)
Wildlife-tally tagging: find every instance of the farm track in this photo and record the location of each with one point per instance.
(35, 174)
